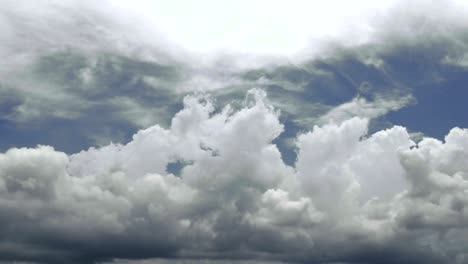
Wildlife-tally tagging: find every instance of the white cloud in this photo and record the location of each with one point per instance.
(359, 106)
(236, 198)
(258, 27)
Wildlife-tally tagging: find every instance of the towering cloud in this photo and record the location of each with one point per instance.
(350, 196)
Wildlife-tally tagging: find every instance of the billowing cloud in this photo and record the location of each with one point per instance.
(350, 196)
(314, 173)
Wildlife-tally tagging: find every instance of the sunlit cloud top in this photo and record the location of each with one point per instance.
(260, 26)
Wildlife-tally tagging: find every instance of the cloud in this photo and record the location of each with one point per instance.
(72, 66)
(348, 198)
(98, 71)
(359, 106)
(204, 261)
(212, 183)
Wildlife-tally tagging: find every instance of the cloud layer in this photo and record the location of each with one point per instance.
(314, 173)
(350, 196)
(82, 73)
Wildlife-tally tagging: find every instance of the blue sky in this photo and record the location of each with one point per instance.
(234, 131)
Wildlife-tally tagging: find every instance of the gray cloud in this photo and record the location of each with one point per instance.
(73, 68)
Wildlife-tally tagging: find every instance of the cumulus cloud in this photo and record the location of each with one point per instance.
(212, 182)
(348, 198)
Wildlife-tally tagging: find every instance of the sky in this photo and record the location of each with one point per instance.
(219, 132)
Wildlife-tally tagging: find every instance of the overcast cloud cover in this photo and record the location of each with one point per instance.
(129, 137)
